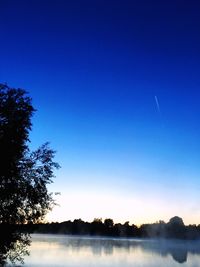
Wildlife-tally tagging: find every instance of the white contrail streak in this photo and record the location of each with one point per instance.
(157, 105)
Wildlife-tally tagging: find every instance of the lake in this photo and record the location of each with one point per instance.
(61, 251)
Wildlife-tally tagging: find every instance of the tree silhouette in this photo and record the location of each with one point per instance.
(13, 245)
(176, 228)
(108, 223)
(24, 175)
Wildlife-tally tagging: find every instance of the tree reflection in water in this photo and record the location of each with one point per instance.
(13, 245)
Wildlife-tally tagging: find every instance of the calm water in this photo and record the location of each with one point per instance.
(60, 251)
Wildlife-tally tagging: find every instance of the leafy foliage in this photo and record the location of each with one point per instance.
(24, 175)
(13, 245)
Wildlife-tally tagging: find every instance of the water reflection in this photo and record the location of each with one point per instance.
(13, 246)
(63, 251)
(59, 250)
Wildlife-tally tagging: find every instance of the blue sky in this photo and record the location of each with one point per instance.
(93, 69)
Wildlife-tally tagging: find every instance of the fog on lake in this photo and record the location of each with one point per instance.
(60, 250)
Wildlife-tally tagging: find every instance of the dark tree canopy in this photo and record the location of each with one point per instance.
(13, 245)
(24, 175)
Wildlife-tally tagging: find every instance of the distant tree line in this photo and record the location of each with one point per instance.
(175, 228)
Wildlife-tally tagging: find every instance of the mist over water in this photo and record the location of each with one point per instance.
(60, 250)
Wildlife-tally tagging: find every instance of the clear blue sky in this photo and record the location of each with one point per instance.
(116, 86)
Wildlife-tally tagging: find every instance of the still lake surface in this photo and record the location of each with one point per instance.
(62, 251)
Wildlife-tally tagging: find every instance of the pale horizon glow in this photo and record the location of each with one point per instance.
(137, 210)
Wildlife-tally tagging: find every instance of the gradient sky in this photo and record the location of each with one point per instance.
(116, 86)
